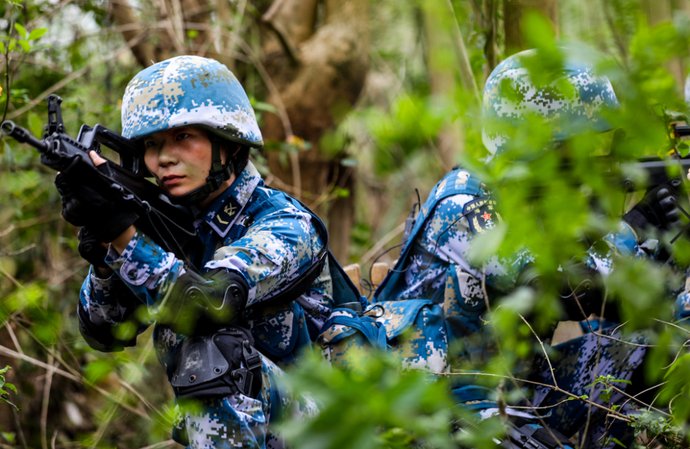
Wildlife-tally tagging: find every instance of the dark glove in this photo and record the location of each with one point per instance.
(199, 305)
(658, 209)
(82, 205)
(91, 249)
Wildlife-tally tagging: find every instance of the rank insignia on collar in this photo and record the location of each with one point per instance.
(224, 218)
(481, 214)
(225, 215)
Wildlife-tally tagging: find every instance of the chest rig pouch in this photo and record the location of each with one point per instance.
(220, 364)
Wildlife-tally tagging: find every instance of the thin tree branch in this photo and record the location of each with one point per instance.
(71, 77)
(46, 401)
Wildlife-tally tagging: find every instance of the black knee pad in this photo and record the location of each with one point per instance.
(220, 364)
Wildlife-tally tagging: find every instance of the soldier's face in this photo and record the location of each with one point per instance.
(179, 158)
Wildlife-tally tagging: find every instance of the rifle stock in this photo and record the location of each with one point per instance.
(169, 225)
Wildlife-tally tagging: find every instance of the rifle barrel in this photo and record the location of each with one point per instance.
(22, 135)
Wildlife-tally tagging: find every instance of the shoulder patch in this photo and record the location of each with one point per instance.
(481, 214)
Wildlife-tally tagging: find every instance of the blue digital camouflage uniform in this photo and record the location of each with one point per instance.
(434, 265)
(271, 240)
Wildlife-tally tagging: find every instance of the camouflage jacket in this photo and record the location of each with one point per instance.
(435, 263)
(262, 233)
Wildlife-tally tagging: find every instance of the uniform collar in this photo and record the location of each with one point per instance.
(224, 210)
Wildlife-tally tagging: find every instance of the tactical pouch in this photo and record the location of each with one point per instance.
(279, 330)
(346, 328)
(220, 364)
(415, 330)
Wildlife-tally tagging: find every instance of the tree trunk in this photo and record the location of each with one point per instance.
(486, 12)
(313, 61)
(513, 13)
(658, 11)
(181, 27)
(318, 67)
(447, 60)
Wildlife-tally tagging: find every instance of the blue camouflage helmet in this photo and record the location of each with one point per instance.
(189, 90)
(568, 109)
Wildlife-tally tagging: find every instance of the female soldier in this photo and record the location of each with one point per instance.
(263, 286)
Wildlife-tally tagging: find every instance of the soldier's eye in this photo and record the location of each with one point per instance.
(149, 143)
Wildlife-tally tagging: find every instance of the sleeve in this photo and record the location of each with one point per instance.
(104, 305)
(682, 306)
(277, 248)
(459, 219)
(582, 299)
(441, 259)
(107, 308)
(623, 242)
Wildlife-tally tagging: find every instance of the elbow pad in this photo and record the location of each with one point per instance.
(199, 305)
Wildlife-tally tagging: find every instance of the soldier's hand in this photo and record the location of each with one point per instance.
(83, 205)
(91, 249)
(658, 209)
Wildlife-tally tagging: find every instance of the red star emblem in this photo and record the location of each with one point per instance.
(486, 216)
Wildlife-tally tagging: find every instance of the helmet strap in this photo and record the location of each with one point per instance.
(218, 174)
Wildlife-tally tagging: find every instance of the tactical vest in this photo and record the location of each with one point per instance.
(450, 185)
(415, 329)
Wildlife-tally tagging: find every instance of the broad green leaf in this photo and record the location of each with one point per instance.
(37, 33)
(21, 30)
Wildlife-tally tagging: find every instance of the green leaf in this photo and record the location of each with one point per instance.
(26, 46)
(341, 192)
(98, 369)
(263, 106)
(21, 30)
(538, 31)
(37, 33)
(25, 297)
(35, 123)
(486, 244)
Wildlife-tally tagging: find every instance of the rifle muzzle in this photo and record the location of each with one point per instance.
(22, 135)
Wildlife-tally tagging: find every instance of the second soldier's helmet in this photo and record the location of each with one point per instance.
(189, 90)
(569, 98)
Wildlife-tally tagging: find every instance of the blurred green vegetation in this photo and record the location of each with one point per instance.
(68, 395)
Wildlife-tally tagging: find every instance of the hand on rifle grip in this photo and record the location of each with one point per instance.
(658, 209)
(83, 205)
(91, 249)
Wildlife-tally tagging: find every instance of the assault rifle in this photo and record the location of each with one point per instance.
(168, 224)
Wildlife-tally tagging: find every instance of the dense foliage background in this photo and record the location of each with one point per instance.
(362, 105)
